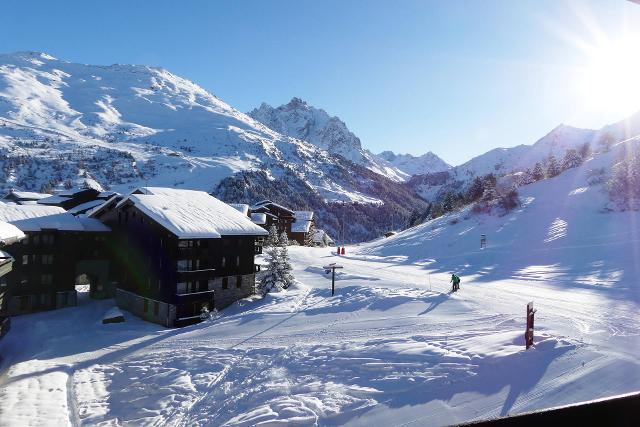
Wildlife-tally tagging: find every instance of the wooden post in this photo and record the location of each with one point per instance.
(332, 268)
(528, 333)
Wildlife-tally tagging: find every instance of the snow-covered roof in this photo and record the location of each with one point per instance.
(5, 255)
(259, 218)
(192, 214)
(9, 233)
(84, 207)
(37, 217)
(53, 200)
(303, 222)
(319, 235)
(241, 207)
(266, 203)
(106, 195)
(27, 195)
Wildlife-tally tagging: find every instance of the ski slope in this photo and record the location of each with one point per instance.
(392, 347)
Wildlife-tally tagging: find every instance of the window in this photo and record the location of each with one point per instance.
(238, 281)
(231, 281)
(25, 259)
(148, 283)
(47, 259)
(46, 279)
(223, 263)
(156, 308)
(212, 284)
(185, 265)
(181, 288)
(159, 284)
(47, 239)
(225, 282)
(237, 260)
(36, 239)
(25, 241)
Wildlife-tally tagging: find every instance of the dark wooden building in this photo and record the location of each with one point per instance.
(303, 229)
(275, 214)
(57, 249)
(179, 251)
(9, 234)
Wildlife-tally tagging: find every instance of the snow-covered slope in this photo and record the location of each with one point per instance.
(392, 347)
(505, 160)
(416, 165)
(130, 125)
(302, 121)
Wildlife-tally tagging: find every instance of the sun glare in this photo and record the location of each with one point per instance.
(611, 80)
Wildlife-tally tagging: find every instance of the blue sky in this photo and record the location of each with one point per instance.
(454, 77)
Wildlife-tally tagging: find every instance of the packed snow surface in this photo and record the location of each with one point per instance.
(393, 347)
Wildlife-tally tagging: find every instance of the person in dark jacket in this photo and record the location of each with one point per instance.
(456, 282)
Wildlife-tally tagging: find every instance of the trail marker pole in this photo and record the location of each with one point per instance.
(483, 241)
(528, 334)
(331, 268)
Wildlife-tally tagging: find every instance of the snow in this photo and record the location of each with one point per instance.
(416, 165)
(241, 207)
(259, 218)
(192, 214)
(28, 195)
(314, 125)
(53, 200)
(9, 233)
(149, 125)
(84, 207)
(37, 218)
(392, 347)
(303, 221)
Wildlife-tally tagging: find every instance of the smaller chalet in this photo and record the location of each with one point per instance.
(276, 215)
(180, 252)
(57, 248)
(9, 234)
(24, 197)
(321, 238)
(304, 228)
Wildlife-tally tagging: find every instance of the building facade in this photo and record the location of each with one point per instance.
(180, 252)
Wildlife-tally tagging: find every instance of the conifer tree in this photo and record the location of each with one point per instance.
(553, 169)
(284, 263)
(538, 173)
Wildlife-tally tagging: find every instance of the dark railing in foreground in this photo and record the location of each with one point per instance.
(622, 410)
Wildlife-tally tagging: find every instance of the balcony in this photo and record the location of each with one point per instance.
(201, 274)
(191, 297)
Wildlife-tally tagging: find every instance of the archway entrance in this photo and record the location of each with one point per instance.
(92, 277)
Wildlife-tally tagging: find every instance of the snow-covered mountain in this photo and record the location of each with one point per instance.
(415, 165)
(124, 125)
(118, 127)
(302, 121)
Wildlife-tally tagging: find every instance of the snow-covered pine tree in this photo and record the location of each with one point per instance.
(538, 173)
(553, 169)
(284, 263)
(271, 279)
(572, 159)
(272, 238)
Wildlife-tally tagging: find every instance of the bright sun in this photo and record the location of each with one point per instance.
(611, 81)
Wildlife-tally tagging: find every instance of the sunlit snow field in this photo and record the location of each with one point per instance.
(392, 347)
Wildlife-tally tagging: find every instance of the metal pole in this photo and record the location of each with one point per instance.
(333, 281)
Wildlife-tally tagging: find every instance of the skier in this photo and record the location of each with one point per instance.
(456, 282)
